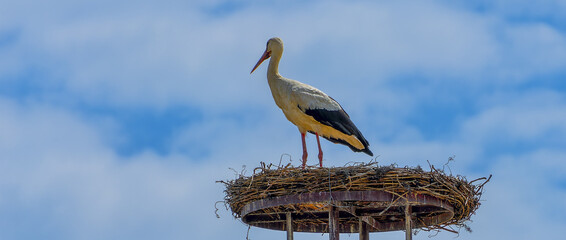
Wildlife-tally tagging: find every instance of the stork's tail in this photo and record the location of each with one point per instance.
(367, 151)
(340, 141)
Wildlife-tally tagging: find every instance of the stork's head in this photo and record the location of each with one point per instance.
(274, 47)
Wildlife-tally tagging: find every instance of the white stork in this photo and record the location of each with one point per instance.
(310, 109)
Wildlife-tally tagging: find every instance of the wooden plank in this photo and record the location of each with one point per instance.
(408, 222)
(333, 224)
(363, 230)
(265, 213)
(366, 219)
(289, 226)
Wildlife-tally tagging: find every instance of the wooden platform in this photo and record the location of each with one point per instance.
(347, 212)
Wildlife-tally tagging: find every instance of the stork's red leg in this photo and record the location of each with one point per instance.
(319, 150)
(305, 154)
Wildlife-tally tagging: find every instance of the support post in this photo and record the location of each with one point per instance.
(408, 222)
(289, 226)
(363, 230)
(333, 225)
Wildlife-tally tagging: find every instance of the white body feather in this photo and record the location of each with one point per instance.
(292, 96)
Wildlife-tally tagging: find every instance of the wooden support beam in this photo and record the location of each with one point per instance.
(289, 226)
(333, 224)
(368, 220)
(408, 222)
(363, 230)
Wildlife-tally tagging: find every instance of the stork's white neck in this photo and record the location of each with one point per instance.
(273, 69)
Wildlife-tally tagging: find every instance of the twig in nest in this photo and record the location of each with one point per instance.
(216, 208)
(281, 158)
(450, 159)
(248, 233)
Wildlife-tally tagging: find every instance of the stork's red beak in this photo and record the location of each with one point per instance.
(265, 55)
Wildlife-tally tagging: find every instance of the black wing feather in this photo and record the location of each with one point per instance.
(339, 120)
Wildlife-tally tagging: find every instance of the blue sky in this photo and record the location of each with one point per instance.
(118, 117)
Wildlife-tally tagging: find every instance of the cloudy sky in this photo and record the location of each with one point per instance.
(117, 117)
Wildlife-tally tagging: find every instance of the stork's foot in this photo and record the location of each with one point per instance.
(320, 158)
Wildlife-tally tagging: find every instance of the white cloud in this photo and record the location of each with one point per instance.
(522, 194)
(529, 50)
(54, 167)
(528, 117)
(168, 56)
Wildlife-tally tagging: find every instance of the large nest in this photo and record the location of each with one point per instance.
(268, 181)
